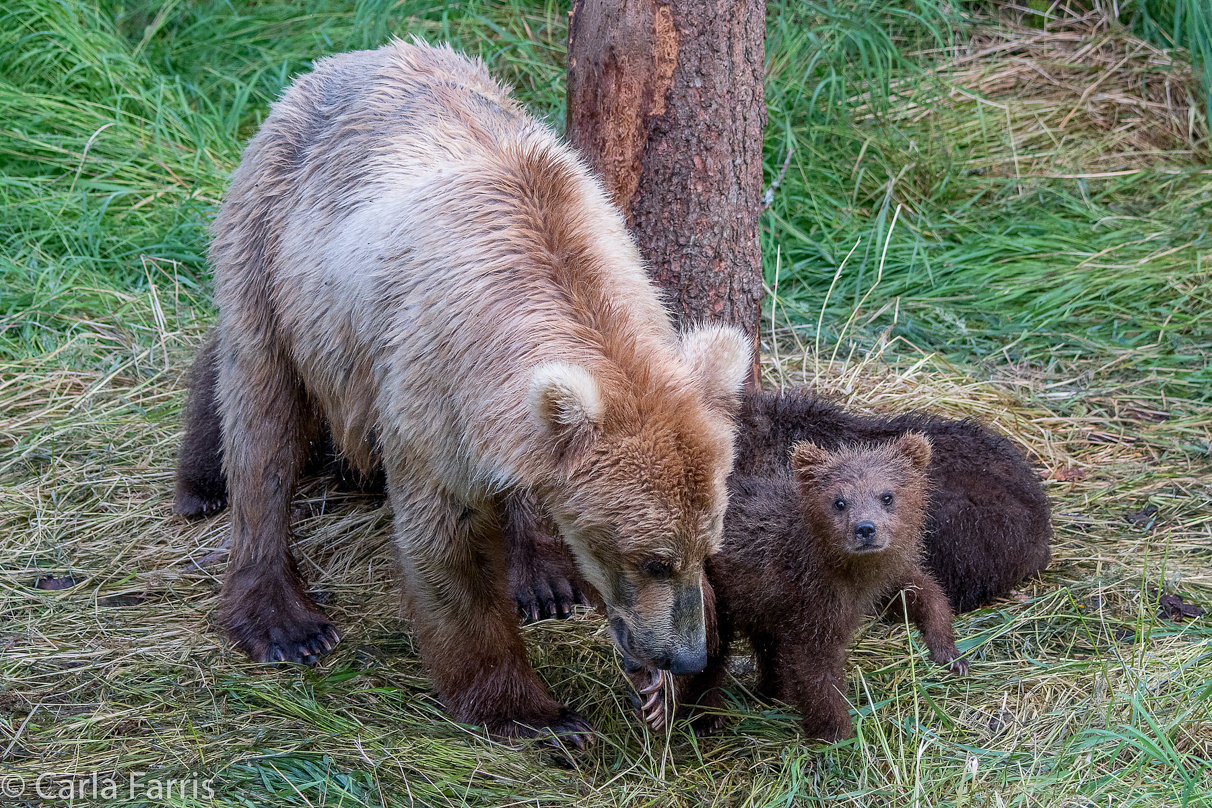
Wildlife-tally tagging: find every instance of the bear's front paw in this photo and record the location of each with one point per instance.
(568, 728)
(959, 666)
(950, 659)
(829, 731)
(278, 625)
(572, 728)
(704, 724)
(193, 505)
(654, 697)
(544, 585)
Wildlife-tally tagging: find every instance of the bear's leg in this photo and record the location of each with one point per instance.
(813, 682)
(201, 485)
(453, 562)
(543, 577)
(931, 613)
(267, 423)
(770, 680)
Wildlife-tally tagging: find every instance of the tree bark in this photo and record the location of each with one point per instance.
(665, 100)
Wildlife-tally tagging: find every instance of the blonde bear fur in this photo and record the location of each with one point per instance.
(407, 255)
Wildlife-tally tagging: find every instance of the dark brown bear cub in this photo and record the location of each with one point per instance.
(804, 558)
(987, 525)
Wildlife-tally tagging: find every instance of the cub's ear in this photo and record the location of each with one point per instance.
(720, 358)
(566, 398)
(916, 447)
(806, 460)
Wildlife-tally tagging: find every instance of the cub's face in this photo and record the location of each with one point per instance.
(864, 500)
(642, 495)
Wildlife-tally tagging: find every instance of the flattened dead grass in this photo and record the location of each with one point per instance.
(1079, 693)
(1068, 297)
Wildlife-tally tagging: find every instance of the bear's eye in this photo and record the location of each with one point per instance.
(840, 504)
(658, 568)
(887, 498)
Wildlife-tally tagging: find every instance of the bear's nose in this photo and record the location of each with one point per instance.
(689, 661)
(865, 532)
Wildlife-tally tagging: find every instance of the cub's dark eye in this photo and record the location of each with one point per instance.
(657, 568)
(839, 504)
(887, 498)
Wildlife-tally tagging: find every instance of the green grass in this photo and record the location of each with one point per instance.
(1025, 205)
(1016, 238)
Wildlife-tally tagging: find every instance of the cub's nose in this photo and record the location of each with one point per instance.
(687, 662)
(865, 532)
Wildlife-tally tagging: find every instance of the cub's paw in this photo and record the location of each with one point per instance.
(567, 729)
(951, 660)
(194, 505)
(545, 586)
(704, 724)
(828, 731)
(958, 666)
(279, 627)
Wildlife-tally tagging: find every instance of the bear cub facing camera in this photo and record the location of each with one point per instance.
(988, 525)
(805, 557)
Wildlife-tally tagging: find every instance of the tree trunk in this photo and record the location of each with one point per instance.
(665, 100)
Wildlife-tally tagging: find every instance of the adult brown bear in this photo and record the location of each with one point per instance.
(405, 255)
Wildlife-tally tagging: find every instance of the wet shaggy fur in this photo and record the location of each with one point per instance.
(805, 558)
(200, 482)
(987, 525)
(405, 256)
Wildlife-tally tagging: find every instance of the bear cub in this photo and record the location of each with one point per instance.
(988, 525)
(805, 557)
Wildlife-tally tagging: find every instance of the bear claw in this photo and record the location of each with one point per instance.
(572, 729)
(959, 666)
(192, 506)
(304, 641)
(567, 729)
(549, 600)
(655, 698)
(307, 652)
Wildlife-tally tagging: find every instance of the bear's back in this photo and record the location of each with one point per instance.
(417, 244)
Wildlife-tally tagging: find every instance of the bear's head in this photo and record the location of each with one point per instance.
(864, 499)
(641, 495)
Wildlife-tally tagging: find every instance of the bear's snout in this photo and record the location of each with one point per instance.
(864, 532)
(688, 661)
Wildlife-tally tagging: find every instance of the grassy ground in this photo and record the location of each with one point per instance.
(1000, 216)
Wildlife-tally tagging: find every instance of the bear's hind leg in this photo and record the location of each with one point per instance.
(267, 425)
(453, 562)
(201, 486)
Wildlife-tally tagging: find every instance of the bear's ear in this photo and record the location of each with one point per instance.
(916, 447)
(720, 358)
(566, 398)
(806, 460)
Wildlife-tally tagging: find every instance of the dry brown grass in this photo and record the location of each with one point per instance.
(1080, 695)
(126, 671)
(1084, 75)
